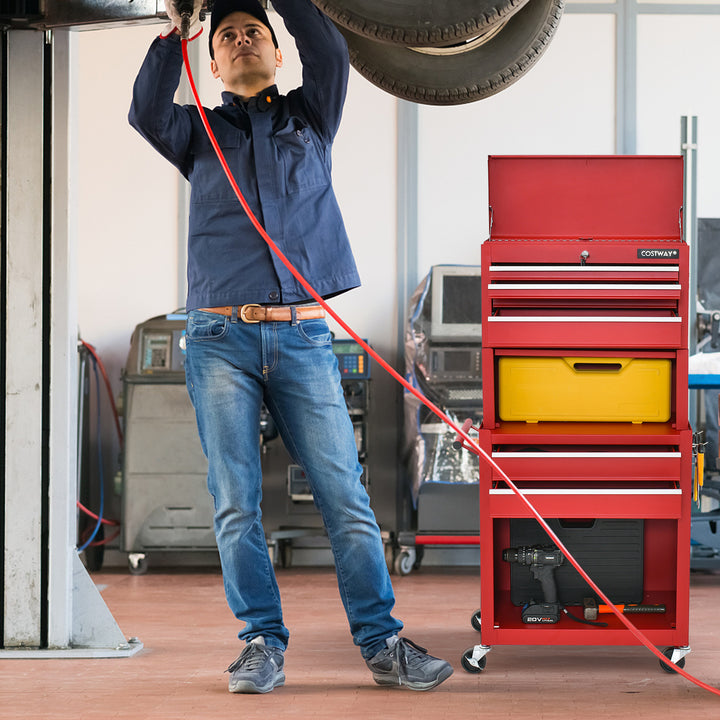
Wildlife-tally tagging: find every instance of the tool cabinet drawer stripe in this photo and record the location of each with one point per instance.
(605, 319)
(599, 293)
(585, 273)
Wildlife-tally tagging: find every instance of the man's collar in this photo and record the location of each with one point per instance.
(262, 100)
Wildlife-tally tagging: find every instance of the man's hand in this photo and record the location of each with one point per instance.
(174, 8)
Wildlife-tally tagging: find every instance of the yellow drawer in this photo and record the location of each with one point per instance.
(584, 389)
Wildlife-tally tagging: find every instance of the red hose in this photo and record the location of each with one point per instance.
(436, 410)
(91, 514)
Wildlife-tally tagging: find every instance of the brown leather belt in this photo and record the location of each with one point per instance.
(269, 313)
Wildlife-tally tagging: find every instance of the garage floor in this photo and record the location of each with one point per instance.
(189, 639)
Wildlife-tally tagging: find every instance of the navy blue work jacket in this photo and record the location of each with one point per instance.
(279, 150)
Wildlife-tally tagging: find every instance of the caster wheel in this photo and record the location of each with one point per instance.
(137, 564)
(405, 562)
(667, 652)
(475, 620)
(470, 665)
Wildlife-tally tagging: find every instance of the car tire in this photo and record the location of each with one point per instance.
(461, 73)
(414, 23)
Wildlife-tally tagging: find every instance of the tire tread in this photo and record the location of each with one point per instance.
(409, 36)
(485, 86)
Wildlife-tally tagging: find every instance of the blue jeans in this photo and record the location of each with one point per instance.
(232, 368)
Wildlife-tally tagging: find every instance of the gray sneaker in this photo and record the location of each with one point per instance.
(259, 669)
(405, 663)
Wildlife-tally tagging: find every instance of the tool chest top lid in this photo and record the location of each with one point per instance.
(600, 197)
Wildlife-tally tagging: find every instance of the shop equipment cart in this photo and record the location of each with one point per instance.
(585, 378)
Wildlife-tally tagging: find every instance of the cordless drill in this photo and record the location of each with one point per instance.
(542, 562)
(185, 9)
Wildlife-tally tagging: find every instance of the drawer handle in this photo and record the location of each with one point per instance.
(597, 367)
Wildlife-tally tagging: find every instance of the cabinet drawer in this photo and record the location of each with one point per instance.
(592, 331)
(584, 389)
(578, 502)
(590, 466)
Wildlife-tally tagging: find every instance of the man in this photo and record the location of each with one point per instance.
(251, 337)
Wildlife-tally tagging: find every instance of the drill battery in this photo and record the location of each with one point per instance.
(541, 613)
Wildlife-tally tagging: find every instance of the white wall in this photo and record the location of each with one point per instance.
(124, 197)
(677, 75)
(124, 211)
(565, 104)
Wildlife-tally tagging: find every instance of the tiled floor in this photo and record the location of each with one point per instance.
(189, 638)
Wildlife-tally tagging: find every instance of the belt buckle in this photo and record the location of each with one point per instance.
(243, 310)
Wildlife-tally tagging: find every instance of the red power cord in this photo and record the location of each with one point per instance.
(436, 410)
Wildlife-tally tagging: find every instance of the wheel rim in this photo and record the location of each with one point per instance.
(461, 47)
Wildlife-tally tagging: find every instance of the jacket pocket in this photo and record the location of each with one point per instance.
(302, 158)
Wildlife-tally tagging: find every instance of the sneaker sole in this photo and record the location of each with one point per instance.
(395, 682)
(247, 686)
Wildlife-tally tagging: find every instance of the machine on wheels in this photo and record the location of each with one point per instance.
(585, 378)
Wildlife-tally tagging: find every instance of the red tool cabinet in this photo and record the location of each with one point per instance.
(585, 279)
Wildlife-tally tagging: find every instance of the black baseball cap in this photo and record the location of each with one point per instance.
(223, 8)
